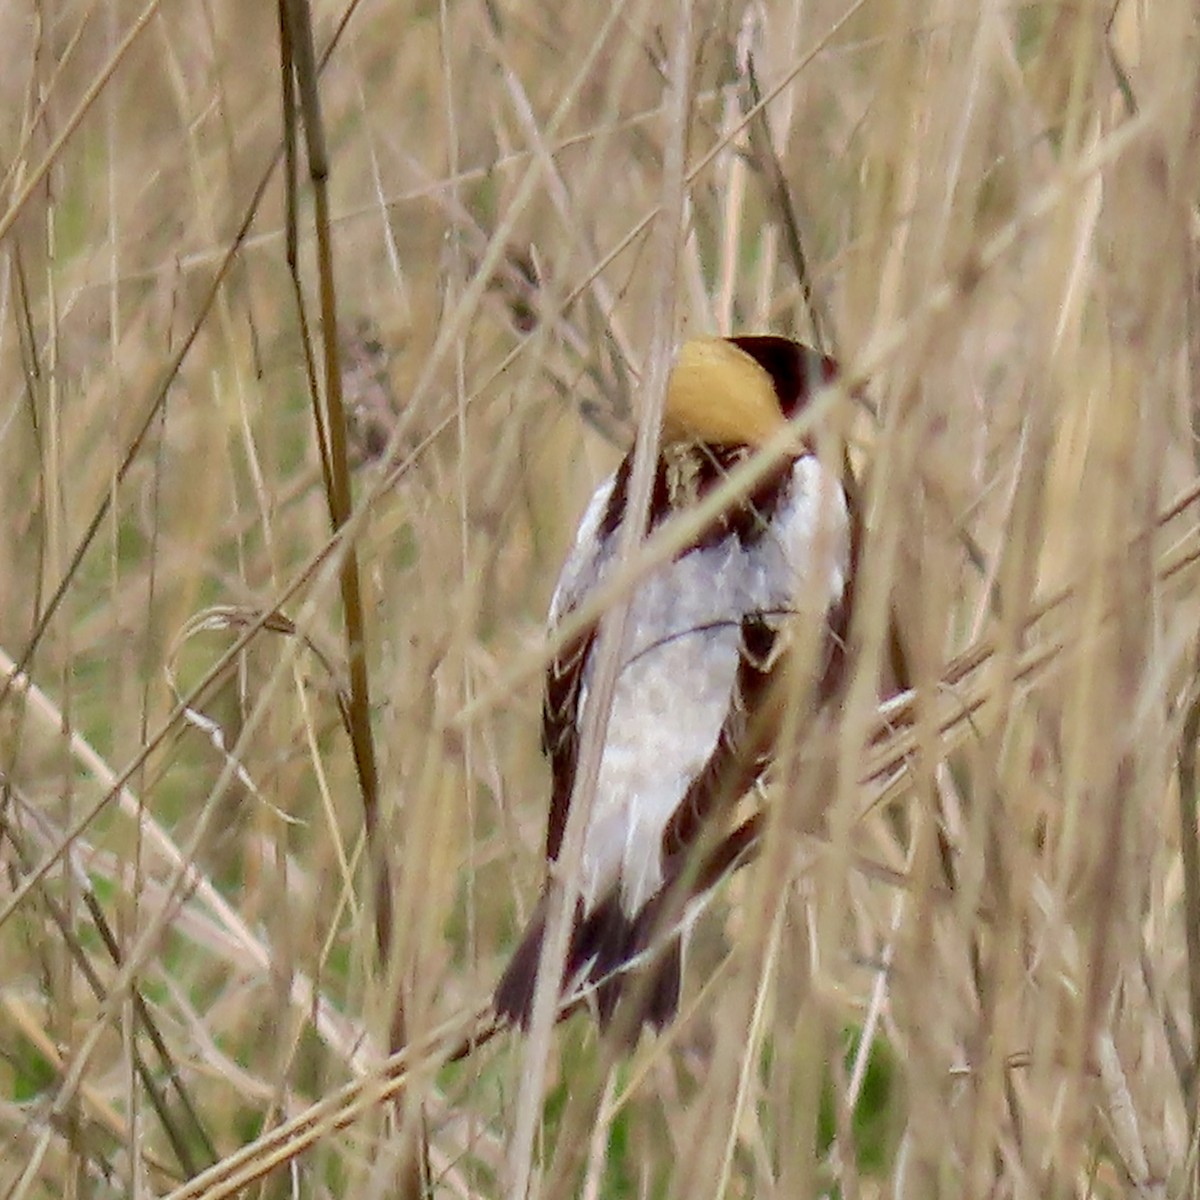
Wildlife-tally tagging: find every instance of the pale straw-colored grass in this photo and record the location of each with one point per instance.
(967, 960)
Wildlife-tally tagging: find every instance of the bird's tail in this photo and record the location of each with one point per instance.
(605, 943)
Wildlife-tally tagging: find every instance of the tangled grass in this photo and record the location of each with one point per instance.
(289, 460)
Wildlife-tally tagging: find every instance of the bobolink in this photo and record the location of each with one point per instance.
(703, 635)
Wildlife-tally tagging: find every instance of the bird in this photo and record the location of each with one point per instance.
(705, 639)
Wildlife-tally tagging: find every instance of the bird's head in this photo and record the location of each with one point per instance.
(739, 391)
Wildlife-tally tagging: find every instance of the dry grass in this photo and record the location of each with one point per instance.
(968, 962)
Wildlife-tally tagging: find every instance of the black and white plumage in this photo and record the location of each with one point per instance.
(703, 636)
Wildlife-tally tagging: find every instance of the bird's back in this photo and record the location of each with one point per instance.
(699, 638)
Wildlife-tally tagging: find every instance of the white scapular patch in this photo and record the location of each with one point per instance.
(681, 662)
(580, 572)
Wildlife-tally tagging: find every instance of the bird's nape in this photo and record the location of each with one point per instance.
(719, 395)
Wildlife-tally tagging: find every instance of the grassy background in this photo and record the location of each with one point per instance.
(968, 962)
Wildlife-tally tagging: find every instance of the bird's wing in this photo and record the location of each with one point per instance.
(800, 570)
(564, 674)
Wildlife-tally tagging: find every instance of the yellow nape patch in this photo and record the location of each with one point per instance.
(718, 394)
